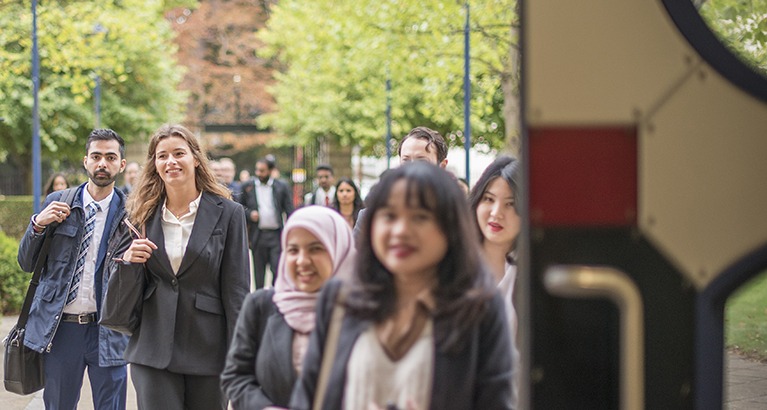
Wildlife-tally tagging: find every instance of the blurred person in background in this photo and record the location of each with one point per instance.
(347, 200)
(57, 182)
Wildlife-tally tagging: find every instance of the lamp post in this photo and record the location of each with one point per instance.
(466, 92)
(36, 172)
(388, 123)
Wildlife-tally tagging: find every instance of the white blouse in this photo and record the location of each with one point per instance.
(372, 377)
(177, 232)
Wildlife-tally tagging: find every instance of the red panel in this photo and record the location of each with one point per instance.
(583, 176)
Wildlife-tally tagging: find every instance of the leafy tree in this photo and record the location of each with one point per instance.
(127, 43)
(334, 59)
(742, 26)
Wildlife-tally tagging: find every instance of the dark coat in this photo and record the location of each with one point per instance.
(185, 322)
(479, 377)
(50, 298)
(283, 203)
(259, 366)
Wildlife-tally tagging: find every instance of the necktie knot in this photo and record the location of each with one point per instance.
(93, 207)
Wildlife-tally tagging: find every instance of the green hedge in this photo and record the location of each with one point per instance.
(13, 281)
(14, 215)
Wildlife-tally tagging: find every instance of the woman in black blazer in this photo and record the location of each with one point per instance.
(186, 272)
(272, 331)
(423, 326)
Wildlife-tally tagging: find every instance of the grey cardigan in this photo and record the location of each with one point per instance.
(479, 377)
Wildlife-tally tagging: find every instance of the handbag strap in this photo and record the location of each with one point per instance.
(331, 345)
(68, 197)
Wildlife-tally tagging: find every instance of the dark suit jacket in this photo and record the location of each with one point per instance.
(283, 203)
(259, 366)
(479, 377)
(187, 320)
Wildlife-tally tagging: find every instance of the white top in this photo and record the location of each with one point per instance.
(506, 287)
(85, 301)
(371, 377)
(320, 195)
(177, 232)
(267, 212)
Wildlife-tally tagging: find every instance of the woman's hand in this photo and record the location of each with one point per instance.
(140, 251)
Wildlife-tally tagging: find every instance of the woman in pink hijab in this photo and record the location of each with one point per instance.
(273, 328)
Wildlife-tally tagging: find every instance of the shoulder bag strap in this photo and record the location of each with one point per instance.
(331, 345)
(67, 197)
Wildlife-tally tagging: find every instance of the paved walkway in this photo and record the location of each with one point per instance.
(746, 385)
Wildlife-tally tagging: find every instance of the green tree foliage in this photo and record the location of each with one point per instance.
(13, 281)
(742, 26)
(334, 59)
(127, 43)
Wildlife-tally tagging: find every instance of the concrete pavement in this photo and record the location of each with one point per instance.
(746, 385)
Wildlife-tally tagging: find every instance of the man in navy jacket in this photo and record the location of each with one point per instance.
(63, 320)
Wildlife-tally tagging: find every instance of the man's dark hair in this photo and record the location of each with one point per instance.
(324, 167)
(269, 164)
(433, 138)
(105, 134)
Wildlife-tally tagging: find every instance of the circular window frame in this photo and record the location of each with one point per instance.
(692, 26)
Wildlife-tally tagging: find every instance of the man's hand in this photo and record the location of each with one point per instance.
(55, 212)
(254, 216)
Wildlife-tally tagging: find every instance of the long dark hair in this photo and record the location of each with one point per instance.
(504, 167)
(358, 203)
(463, 283)
(51, 180)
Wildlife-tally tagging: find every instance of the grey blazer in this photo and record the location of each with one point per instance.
(259, 368)
(186, 321)
(479, 377)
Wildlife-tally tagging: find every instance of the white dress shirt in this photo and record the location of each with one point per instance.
(85, 301)
(177, 232)
(267, 211)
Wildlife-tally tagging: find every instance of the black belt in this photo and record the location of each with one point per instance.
(82, 318)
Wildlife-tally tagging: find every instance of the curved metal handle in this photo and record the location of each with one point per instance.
(603, 282)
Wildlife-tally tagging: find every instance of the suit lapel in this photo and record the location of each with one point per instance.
(206, 220)
(159, 257)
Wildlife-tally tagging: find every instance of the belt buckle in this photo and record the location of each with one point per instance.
(82, 318)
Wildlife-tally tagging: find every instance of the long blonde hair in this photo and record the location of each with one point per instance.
(150, 189)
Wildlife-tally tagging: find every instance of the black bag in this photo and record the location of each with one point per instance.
(23, 366)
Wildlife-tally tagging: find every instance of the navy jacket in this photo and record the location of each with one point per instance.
(50, 298)
(479, 377)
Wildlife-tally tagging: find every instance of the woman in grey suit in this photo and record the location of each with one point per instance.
(187, 273)
(273, 329)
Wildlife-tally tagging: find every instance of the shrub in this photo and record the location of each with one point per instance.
(14, 215)
(13, 281)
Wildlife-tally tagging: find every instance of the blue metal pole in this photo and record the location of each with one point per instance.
(36, 177)
(466, 93)
(388, 123)
(97, 91)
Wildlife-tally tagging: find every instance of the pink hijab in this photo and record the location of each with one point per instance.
(334, 233)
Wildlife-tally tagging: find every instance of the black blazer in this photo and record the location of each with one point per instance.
(259, 366)
(479, 377)
(283, 203)
(187, 320)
